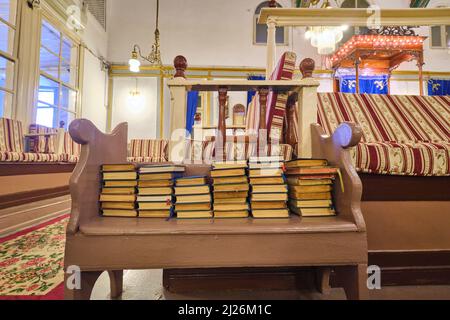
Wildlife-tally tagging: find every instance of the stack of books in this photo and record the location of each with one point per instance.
(155, 190)
(118, 194)
(269, 193)
(193, 198)
(310, 187)
(231, 188)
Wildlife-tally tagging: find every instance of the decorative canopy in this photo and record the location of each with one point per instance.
(380, 53)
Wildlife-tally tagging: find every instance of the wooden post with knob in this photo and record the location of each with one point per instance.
(420, 64)
(221, 140)
(263, 133)
(178, 98)
(307, 111)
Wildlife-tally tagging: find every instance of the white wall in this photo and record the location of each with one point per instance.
(207, 32)
(218, 33)
(95, 81)
(141, 115)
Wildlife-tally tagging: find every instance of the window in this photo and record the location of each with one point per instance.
(440, 37)
(8, 55)
(260, 30)
(58, 80)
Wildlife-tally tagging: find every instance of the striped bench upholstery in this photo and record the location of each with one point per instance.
(42, 144)
(402, 135)
(12, 144)
(276, 102)
(148, 151)
(70, 149)
(205, 151)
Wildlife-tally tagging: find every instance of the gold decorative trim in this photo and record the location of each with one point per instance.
(301, 17)
(161, 105)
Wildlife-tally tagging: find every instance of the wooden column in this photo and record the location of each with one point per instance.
(271, 47)
(307, 110)
(420, 64)
(262, 132)
(335, 82)
(222, 129)
(357, 62)
(263, 93)
(178, 100)
(290, 137)
(389, 83)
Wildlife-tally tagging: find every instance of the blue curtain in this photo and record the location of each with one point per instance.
(438, 87)
(192, 103)
(251, 94)
(367, 84)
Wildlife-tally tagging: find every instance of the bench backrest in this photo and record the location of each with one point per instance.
(157, 150)
(69, 146)
(42, 144)
(11, 135)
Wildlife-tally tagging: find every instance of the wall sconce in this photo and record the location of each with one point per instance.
(134, 63)
(154, 57)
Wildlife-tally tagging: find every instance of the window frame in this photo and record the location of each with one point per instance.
(255, 22)
(443, 34)
(14, 58)
(64, 33)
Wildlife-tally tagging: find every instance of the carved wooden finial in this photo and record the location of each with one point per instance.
(272, 4)
(180, 64)
(307, 67)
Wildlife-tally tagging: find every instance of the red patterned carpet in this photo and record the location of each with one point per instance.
(31, 262)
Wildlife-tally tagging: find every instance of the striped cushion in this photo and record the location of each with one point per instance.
(16, 137)
(70, 158)
(140, 159)
(276, 103)
(402, 135)
(11, 135)
(70, 150)
(4, 136)
(152, 150)
(388, 118)
(415, 159)
(244, 151)
(9, 156)
(199, 151)
(42, 144)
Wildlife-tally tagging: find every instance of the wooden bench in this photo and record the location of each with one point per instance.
(31, 166)
(97, 244)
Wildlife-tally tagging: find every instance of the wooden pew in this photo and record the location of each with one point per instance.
(96, 244)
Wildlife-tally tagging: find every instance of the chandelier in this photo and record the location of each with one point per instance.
(154, 58)
(325, 39)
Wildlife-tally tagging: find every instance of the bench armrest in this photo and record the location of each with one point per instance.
(336, 149)
(97, 149)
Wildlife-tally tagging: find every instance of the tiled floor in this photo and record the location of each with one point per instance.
(147, 285)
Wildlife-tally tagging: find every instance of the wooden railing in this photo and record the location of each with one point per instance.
(304, 91)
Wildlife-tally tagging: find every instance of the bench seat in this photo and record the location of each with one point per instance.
(411, 159)
(10, 156)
